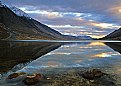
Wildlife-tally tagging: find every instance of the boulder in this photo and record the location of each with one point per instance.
(92, 74)
(15, 75)
(32, 79)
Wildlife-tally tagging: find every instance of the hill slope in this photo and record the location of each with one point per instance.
(116, 35)
(24, 28)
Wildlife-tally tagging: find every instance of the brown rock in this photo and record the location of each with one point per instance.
(92, 74)
(32, 79)
(15, 75)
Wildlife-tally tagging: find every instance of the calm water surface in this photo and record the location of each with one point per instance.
(51, 58)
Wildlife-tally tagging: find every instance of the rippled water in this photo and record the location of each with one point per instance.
(54, 58)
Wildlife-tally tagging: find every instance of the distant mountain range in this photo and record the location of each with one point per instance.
(17, 25)
(115, 35)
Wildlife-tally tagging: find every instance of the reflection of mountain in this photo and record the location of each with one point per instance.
(115, 46)
(13, 53)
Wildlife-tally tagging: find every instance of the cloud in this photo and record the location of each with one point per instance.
(88, 6)
(78, 17)
(64, 26)
(45, 13)
(105, 25)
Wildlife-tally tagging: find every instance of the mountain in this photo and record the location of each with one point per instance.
(84, 37)
(115, 35)
(19, 12)
(17, 25)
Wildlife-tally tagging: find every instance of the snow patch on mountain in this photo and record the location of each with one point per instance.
(19, 12)
(1, 4)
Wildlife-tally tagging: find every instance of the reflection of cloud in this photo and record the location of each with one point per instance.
(59, 53)
(103, 55)
(85, 47)
(52, 64)
(79, 60)
(97, 44)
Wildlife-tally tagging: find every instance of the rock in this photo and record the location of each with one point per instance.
(15, 75)
(32, 79)
(11, 76)
(92, 74)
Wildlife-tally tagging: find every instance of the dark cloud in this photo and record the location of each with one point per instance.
(74, 5)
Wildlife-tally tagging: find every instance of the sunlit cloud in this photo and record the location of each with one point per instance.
(78, 31)
(73, 15)
(69, 33)
(115, 10)
(92, 23)
(105, 25)
(64, 26)
(45, 13)
(97, 36)
(99, 12)
(87, 33)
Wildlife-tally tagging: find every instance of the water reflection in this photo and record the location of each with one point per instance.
(96, 44)
(115, 46)
(83, 54)
(14, 53)
(63, 56)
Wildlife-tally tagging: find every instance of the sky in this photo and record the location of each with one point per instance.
(95, 18)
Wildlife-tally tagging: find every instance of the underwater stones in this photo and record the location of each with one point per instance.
(92, 74)
(15, 75)
(32, 79)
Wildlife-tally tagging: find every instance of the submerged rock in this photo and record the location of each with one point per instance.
(15, 75)
(32, 79)
(92, 74)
